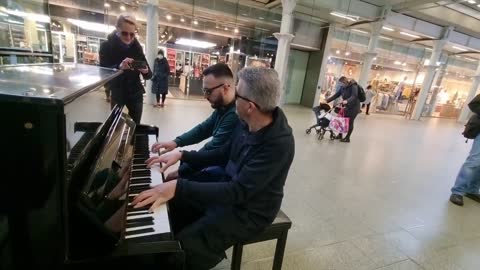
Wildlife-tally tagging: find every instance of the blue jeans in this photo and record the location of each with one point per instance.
(468, 179)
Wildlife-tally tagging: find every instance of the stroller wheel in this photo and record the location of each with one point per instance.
(308, 131)
(332, 136)
(318, 131)
(321, 134)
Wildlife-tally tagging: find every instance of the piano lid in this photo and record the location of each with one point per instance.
(51, 83)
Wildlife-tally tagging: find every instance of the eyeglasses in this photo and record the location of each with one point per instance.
(247, 99)
(208, 91)
(126, 34)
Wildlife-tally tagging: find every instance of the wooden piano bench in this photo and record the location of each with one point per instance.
(277, 230)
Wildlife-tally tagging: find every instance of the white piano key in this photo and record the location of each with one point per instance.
(140, 216)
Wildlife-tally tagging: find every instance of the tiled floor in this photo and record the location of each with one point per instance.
(380, 202)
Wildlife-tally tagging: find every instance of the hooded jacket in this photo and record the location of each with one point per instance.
(257, 166)
(127, 87)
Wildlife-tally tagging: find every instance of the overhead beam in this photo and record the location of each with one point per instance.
(411, 4)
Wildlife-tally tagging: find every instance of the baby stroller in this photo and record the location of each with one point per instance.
(323, 114)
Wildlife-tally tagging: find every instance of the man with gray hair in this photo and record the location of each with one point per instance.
(211, 215)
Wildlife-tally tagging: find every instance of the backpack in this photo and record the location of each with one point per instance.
(361, 94)
(472, 128)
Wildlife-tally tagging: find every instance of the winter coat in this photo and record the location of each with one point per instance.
(161, 71)
(126, 88)
(350, 94)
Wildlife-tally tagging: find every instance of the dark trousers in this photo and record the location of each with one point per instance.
(350, 125)
(164, 96)
(205, 231)
(368, 107)
(134, 110)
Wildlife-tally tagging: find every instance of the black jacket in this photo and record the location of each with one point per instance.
(257, 165)
(161, 70)
(127, 87)
(350, 94)
(472, 128)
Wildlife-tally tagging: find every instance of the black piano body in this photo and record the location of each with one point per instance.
(70, 167)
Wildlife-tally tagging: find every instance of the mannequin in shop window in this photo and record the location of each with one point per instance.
(399, 89)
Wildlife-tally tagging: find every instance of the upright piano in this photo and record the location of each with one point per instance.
(70, 169)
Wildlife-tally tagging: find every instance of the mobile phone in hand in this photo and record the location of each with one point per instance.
(138, 64)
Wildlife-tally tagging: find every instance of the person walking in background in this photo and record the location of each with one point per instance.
(349, 94)
(468, 178)
(369, 94)
(161, 71)
(120, 51)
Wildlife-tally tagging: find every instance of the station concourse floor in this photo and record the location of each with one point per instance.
(379, 202)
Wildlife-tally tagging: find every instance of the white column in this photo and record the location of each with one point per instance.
(152, 43)
(371, 54)
(323, 68)
(473, 91)
(427, 82)
(283, 49)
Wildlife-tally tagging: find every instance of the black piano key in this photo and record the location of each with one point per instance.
(141, 181)
(132, 214)
(139, 186)
(143, 219)
(139, 224)
(131, 208)
(147, 230)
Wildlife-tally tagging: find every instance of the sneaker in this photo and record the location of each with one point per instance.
(475, 197)
(456, 199)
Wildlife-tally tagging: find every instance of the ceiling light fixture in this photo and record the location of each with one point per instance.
(195, 43)
(409, 35)
(460, 49)
(472, 2)
(360, 31)
(386, 38)
(122, 8)
(345, 16)
(169, 17)
(195, 22)
(182, 19)
(236, 30)
(388, 28)
(98, 27)
(107, 5)
(226, 28)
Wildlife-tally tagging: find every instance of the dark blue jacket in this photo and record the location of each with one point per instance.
(350, 94)
(161, 70)
(257, 166)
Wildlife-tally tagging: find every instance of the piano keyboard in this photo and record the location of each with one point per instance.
(140, 222)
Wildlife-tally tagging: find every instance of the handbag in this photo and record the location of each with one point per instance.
(340, 123)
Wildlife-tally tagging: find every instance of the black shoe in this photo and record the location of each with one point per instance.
(456, 199)
(475, 197)
(368, 114)
(346, 140)
(339, 136)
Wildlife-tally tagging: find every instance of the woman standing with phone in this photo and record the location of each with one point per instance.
(161, 71)
(120, 51)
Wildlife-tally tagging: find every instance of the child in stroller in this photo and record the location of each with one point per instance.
(323, 114)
